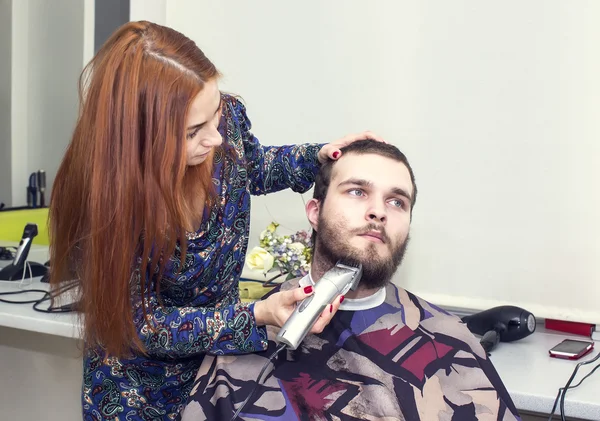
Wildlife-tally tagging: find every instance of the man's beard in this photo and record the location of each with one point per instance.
(377, 270)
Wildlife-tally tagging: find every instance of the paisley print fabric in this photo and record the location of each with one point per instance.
(201, 312)
(402, 360)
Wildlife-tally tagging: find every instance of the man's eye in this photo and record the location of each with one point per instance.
(355, 192)
(397, 203)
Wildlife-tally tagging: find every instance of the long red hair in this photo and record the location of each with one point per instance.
(119, 197)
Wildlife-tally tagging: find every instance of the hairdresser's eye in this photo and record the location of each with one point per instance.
(192, 134)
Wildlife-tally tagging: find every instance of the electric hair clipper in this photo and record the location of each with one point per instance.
(338, 280)
(30, 231)
(17, 270)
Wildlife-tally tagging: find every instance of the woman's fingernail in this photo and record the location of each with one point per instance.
(336, 154)
(341, 299)
(331, 308)
(308, 289)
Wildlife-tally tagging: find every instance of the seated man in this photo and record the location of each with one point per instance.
(387, 354)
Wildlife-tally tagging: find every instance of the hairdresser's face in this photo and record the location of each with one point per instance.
(202, 123)
(365, 216)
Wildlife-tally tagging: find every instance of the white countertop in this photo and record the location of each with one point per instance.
(533, 378)
(23, 316)
(530, 375)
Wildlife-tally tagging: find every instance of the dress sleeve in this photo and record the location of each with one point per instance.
(274, 168)
(178, 332)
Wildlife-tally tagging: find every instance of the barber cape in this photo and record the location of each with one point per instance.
(391, 356)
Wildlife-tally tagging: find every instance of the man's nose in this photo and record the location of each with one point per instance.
(376, 213)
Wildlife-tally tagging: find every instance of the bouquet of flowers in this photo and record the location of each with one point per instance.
(286, 254)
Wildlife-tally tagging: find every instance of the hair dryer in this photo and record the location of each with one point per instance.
(338, 280)
(504, 323)
(18, 270)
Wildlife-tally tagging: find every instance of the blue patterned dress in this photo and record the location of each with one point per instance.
(202, 313)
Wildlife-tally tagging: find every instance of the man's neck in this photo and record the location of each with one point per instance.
(318, 268)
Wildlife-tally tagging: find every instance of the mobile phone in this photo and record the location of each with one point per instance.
(571, 349)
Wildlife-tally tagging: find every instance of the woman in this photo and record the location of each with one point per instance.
(151, 210)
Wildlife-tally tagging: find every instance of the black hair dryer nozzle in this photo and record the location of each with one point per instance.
(501, 324)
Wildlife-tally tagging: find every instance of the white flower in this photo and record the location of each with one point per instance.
(260, 259)
(297, 247)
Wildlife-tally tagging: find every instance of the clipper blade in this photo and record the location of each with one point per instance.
(355, 265)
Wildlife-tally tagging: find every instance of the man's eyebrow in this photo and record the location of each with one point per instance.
(356, 182)
(199, 125)
(402, 192)
(366, 183)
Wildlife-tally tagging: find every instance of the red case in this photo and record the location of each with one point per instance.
(573, 357)
(576, 328)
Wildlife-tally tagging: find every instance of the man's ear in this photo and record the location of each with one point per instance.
(313, 206)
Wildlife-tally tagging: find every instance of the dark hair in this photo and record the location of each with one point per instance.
(360, 147)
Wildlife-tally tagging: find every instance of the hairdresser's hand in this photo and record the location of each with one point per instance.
(276, 309)
(332, 150)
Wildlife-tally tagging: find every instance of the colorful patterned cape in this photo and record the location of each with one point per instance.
(202, 312)
(403, 360)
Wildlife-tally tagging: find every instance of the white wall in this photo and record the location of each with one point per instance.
(47, 42)
(5, 99)
(44, 45)
(55, 62)
(496, 106)
(88, 30)
(19, 88)
(150, 10)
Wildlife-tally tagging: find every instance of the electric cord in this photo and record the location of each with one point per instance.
(47, 295)
(2, 300)
(66, 308)
(280, 348)
(563, 390)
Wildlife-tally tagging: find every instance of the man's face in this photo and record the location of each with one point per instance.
(365, 216)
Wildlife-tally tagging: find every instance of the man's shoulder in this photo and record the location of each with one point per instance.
(426, 308)
(411, 310)
(419, 312)
(395, 295)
